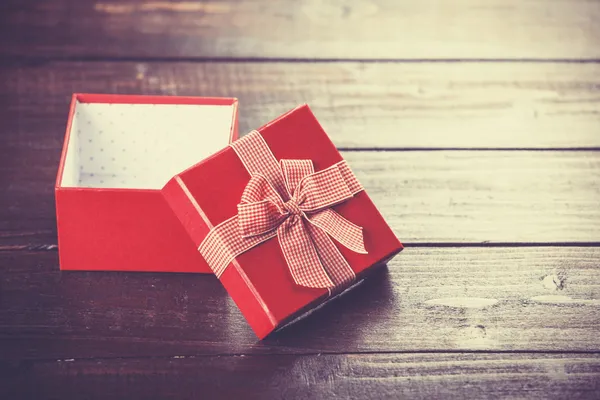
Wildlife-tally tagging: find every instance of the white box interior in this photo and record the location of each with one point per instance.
(141, 146)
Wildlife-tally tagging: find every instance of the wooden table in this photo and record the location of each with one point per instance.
(474, 125)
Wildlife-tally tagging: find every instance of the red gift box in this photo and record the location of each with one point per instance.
(259, 280)
(118, 153)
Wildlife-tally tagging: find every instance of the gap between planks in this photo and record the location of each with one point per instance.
(20, 59)
(316, 353)
(54, 247)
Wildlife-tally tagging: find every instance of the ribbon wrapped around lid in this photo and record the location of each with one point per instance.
(288, 199)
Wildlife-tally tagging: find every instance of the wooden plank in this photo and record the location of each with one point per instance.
(365, 376)
(305, 29)
(430, 299)
(372, 105)
(426, 197)
(483, 197)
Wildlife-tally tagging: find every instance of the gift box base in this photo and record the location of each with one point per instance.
(110, 230)
(118, 153)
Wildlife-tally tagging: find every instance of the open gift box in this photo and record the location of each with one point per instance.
(281, 220)
(277, 215)
(119, 151)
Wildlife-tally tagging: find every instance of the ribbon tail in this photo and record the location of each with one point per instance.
(334, 262)
(339, 228)
(301, 256)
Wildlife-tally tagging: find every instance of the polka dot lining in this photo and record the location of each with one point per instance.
(141, 145)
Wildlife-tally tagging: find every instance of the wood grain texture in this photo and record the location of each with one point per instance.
(429, 299)
(482, 197)
(381, 376)
(493, 301)
(361, 105)
(426, 197)
(305, 29)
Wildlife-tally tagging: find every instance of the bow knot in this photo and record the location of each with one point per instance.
(291, 206)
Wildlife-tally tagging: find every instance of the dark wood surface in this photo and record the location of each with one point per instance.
(475, 128)
(430, 299)
(345, 376)
(347, 29)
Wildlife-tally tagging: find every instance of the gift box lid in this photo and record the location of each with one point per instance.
(208, 194)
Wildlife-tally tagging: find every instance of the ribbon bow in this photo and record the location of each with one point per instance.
(303, 221)
(288, 199)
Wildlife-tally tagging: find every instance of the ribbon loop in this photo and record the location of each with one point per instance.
(261, 209)
(323, 189)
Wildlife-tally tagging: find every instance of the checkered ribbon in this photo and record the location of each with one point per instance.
(288, 199)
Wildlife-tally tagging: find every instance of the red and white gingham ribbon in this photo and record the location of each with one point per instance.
(288, 199)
